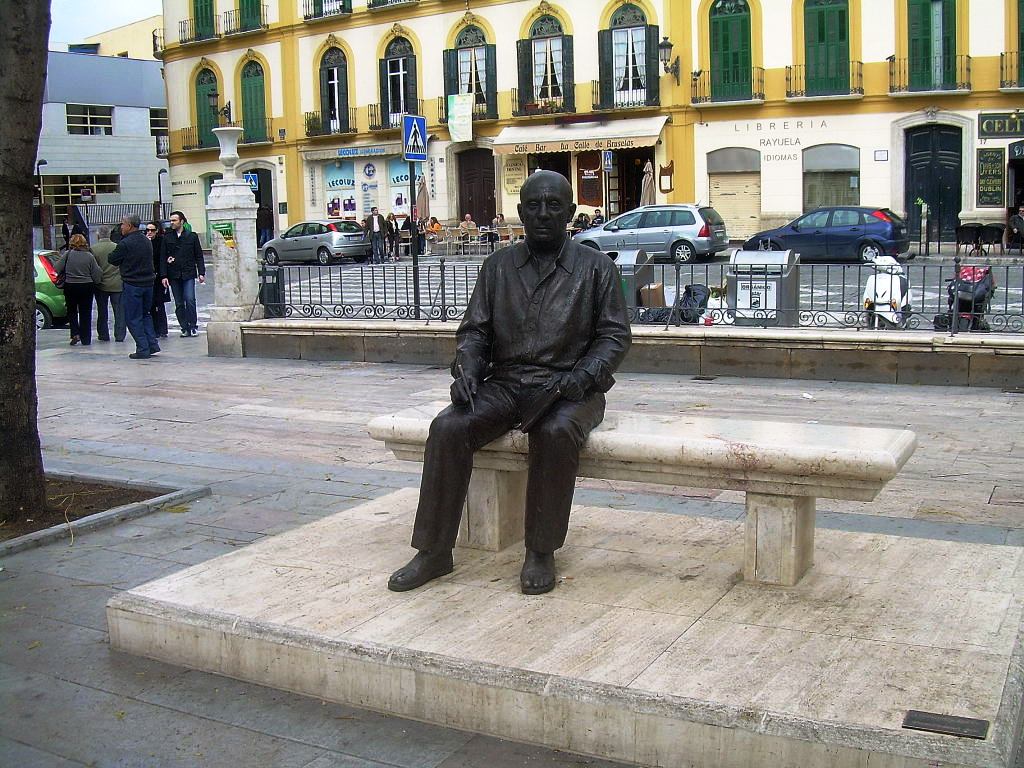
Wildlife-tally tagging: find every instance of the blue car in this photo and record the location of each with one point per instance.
(840, 233)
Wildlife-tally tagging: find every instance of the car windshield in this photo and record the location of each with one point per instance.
(711, 216)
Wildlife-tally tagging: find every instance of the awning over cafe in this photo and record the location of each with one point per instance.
(580, 137)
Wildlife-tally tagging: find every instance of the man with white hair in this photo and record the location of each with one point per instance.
(134, 256)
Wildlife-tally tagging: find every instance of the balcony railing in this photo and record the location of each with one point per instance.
(192, 138)
(841, 79)
(163, 145)
(481, 111)
(158, 43)
(246, 19)
(629, 99)
(197, 30)
(552, 106)
(322, 124)
(1011, 69)
(257, 131)
(312, 10)
(382, 120)
(727, 85)
(373, 4)
(930, 74)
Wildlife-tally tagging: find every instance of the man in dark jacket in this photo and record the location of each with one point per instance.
(379, 230)
(264, 224)
(134, 257)
(183, 262)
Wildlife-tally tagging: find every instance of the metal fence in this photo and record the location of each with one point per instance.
(830, 296)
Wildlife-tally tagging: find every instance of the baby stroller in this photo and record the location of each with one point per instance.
(968, 298)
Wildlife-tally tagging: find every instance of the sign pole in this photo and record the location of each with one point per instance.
(414, 238)
(414, 150)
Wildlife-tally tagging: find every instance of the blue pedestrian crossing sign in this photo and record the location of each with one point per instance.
(414, 138)
(253, 180)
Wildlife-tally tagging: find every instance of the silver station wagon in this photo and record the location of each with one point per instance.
(666, 232)
(319, 241)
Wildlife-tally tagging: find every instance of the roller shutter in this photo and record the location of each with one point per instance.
(737, 198)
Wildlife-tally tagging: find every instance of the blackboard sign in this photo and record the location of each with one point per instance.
(1017, 150)
(991, 178)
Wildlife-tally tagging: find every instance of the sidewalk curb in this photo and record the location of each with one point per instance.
(174, 495)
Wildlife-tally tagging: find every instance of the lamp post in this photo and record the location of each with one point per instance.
(160, 190)
(214, 98)
(665, 56)
(39, 181)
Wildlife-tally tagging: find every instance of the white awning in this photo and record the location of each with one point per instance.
(580, 137)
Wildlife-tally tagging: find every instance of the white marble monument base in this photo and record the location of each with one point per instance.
(651, 650)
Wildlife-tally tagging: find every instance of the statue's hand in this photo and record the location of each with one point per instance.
(463, 389)
(573, 385)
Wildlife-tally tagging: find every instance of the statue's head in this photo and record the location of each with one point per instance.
(545, 208)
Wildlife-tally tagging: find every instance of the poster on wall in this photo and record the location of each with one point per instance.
(991, 178)
(340, 190)
(398, 185)
(514, 173)
(368, 177)
(460, 116)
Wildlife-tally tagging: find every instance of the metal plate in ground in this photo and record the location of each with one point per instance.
(966, 727)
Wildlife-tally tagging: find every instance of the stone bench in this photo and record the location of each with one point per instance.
(782, 467)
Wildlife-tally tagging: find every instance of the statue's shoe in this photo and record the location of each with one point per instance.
(538, 575)
(422, 568)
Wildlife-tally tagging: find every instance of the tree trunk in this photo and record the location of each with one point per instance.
(24, 30)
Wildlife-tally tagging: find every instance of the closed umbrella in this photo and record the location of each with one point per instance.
(647, 189)
(422, 199)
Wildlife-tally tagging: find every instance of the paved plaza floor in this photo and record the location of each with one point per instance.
(283, 443)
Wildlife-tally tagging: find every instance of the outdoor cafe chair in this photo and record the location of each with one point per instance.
(992, 235)
(968, 236)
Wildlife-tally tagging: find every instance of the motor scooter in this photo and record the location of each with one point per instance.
(887, 295)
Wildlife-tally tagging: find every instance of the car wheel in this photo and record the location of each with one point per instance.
(43, 317)
(591, 244)
(270, 256)
(323, 256)
(868, 252)
(683, 252)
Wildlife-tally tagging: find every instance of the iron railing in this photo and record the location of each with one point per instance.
(845, 78)
(728, 84)
(111, 213)
(242, 20)
(1011, 69)
(197, 30)
(551, 106)
(322, 124)
(158, 43)
(831, 295)
(191, 138)
(382, 120)
(485, 111)
(313, 10)
(372, 4)
(929, 73)
(630, 99)
(163, 145)
(257, 131)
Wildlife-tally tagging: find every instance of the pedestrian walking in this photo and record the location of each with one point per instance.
(264, 225)
(73, 225)
(108, 292)
(134, 257)
(1016, 234)
(182, 265)
(393, 237)
(81, 276)
(377, 228)
(155, 235)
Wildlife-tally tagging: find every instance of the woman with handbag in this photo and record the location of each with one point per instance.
(80, 273)
(161, 294)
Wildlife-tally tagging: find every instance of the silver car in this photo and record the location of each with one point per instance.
(665, 232)
(319, 241)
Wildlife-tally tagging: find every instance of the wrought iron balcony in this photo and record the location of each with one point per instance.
(322, 124)
(481, 111)
(158, 43)
(620, 99)
(931, 74)
(551, 106)
(243, 20)
(197, 30)
(383, 120)
(374, 4)
(193, 138)
(258, 131)
(313, 10)
(726, 85)
(1011, 69)
(844, 78)
(163, 145)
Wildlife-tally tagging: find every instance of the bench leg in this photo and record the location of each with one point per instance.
(495, 510)
(779, 538)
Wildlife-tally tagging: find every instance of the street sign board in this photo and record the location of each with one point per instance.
(86, 195)
(607, 159)
(252, 179)
(414, 138)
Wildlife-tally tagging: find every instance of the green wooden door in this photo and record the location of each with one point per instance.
(826, 48)
(254, 113)
(249, 13)
(730, 51)
(206, 118)
(202, 16)
(931, 31)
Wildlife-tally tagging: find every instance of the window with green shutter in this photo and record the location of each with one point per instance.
(628, 65)
(546, 71)
(206, 118)
(334, 91)
(202, 16)
(730, 50)
(931, 32)
(826, 47)
(254, 112)
(470, 67)
(249, 12)
(397, 82)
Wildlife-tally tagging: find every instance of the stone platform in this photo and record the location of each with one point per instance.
(650, 651)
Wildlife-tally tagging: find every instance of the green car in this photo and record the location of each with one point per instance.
(50, 306)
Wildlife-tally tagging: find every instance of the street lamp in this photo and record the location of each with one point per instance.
(39, 183)
(665, 55)
(213, 98)
(160, 190)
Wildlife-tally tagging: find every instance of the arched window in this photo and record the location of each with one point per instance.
(254, 110)
(206, 117)
(730, 50)
(334, 116)
(831, 175)
(826, 47)
(628, 60)
(546, 78)
(471, 67)
(931, 42)
(397, 82)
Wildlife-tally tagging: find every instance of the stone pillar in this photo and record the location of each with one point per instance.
(495, 510)
(232, 214)
(779, 545)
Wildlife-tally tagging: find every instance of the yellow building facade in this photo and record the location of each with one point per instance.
(763, 109)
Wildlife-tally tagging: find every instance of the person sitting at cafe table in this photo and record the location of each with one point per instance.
(581, 223)
(467, 227)
(598, 219)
